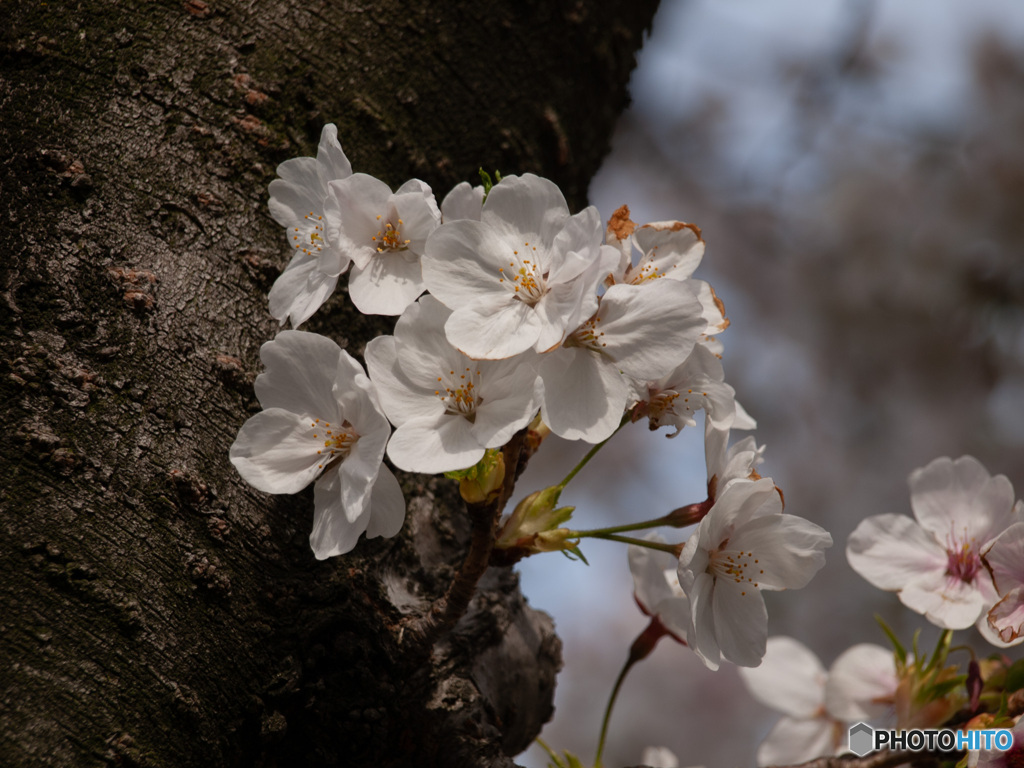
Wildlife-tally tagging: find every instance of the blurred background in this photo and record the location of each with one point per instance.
(857, 169)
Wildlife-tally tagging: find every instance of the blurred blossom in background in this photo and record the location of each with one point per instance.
(857, 169)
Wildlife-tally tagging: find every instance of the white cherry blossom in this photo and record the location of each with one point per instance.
(297, 203)
(384, 234)
(726, 464)
(744, 545)
(818, 706)
(522, 276)
(640, 332)
(447, 408)
(934, 562)
(321, 423)
(698, 383)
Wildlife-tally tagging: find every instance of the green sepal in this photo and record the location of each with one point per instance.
(575, 551)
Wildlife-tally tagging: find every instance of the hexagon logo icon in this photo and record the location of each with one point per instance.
(861, 739)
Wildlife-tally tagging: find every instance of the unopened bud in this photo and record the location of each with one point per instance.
(482, 482)
(534, 515)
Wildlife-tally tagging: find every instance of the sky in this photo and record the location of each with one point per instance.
(739, 54)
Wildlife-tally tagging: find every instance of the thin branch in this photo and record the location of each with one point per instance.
(446, 611)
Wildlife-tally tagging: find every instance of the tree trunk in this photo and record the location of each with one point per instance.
(156, 610)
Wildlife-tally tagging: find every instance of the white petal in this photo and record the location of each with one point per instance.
(673, 248)
(387, 506)
(388, 284)
(299, 376)
(526, 208)
(787, 548)
(463, 202)
(659, 757)
(417, 209)
(1005, 559)
(892, 550)
(861, 683)
(792, 741)
(736, 506)
(297, 193)
(354, 214)
(300, 290)
(461, 263)
(507, 405)
(491, 330)
(333, 532)
(702, 634)
(436, 445)
(274, 452)
(1003, 625)
(946, 601)
(650, 330)
(960, 498)
(741, 622)
(648, 567)
(790, 678)
(583, 397)
(403, 400)
(330, 158)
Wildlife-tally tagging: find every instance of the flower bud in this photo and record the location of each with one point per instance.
(532, 525)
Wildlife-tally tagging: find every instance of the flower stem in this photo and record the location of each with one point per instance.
(623, 528)
(591, 453)
(672, 549)
(608, 709)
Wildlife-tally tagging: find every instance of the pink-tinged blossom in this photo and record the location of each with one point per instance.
(818, 706)
(744, 545)
(934, 562)
(297, 203)
(384, 233)
(636, 333)
(321, 423)
(447, 408)
(1004, 560)
(521, 277)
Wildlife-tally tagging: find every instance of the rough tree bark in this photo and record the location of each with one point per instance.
(156, 611)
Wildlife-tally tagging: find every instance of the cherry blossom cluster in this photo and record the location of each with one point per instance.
(514, 315)
(532, 313)
(960, 563)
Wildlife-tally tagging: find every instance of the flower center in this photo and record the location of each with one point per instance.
(524, 276)
(459, 393)
(643, 271)
(741, 567)
(389, 238)
(963, 562)
(313, 231)
(338, 441)
(587, 336)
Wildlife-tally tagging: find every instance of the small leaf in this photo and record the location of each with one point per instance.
(901, 652)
